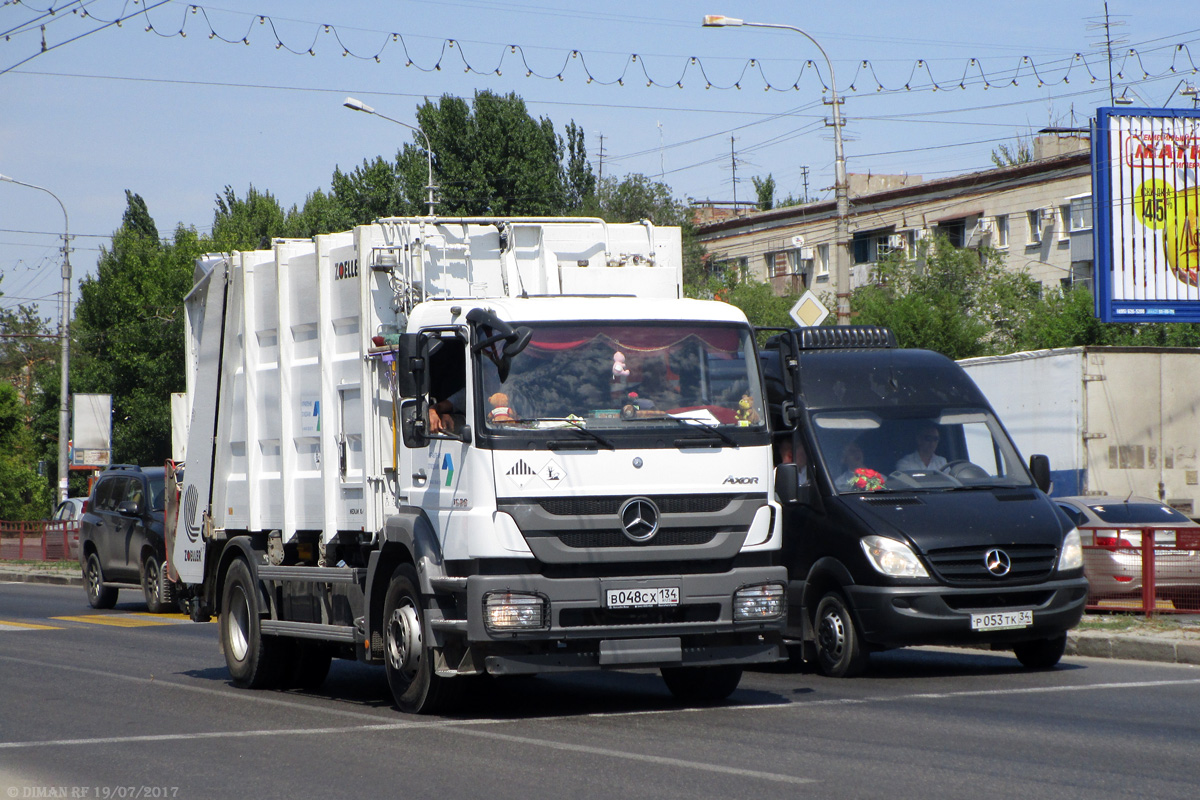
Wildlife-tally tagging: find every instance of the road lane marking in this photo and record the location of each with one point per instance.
(9, 625)
(119, 620)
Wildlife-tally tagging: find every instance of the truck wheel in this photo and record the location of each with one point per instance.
(408, 659)
(1041, 653)
(254, 660)
(840, 650)
(99, 595)
(153, 578)
(702, 684)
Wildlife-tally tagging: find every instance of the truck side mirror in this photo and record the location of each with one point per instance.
(1039, 467)
(414, 422)
(412, 362)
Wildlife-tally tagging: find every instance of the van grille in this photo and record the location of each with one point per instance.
(666, 537)
(965, 565)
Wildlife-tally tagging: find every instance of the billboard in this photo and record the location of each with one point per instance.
(1146, 189)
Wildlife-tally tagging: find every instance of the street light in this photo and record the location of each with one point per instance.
(359, 105)
(64, 338)
(1188, 90)
(841, 263)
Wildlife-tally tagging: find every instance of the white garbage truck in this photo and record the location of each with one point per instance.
(459, 447)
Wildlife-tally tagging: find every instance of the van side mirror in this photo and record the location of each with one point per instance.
(787, 484)
(1039, 467)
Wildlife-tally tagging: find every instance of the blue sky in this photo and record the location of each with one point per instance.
(175, 119)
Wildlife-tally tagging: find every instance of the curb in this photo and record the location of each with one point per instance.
(18, 575)
(1134, 647)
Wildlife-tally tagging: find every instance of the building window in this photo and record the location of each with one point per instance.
(955, 230)
(870, 246)
(1034, 219)
(785, 262)
(1002, 230)
(823, 261)
(1080, 213)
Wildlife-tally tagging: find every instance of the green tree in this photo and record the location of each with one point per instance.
(1020, 152)
(490, 158)
(1066, 318)
(375, 189)
(26, 340)
(24, 495)
(764, 188)
(959, 302)
(128, 329)
(239, 223)
(581, 181)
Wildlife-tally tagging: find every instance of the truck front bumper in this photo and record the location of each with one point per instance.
(580, 631)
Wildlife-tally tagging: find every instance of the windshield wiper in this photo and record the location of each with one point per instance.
(692, 422)
(578, 426)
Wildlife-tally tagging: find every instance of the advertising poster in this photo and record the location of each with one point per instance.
(1146, 184)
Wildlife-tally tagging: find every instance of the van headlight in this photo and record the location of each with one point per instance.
(892, 558)
(1071, 556)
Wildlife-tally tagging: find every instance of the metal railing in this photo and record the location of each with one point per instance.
(40, 540)
(1144, 570)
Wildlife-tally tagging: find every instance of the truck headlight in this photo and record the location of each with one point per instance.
(1072, 552)
(764, 601)
(892, 558)
(513, 611)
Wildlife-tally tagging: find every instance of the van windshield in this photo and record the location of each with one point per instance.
(901, 450)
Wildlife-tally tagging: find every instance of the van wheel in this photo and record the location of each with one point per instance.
(702, 684)
(408, 658)
(153, 585)
(840, 649)
(1041, 653)
(254, 661)
(99, 595)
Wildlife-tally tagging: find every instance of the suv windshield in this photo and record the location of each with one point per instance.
(610, 376)
(896, 450)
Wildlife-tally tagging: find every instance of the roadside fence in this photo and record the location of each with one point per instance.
(39, 540)
(1146, 570)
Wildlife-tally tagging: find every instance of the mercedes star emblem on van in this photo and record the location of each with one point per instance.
(997, 562)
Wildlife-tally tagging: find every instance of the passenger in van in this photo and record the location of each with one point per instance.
(925, 457)
(852, 459)
(799, 458)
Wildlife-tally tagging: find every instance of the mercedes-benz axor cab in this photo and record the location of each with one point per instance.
(909, 516)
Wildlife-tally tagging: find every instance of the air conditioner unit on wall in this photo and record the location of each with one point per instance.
(987, 224)
(922, 233)
(896, 241)
(806, 254)
(1047, 214)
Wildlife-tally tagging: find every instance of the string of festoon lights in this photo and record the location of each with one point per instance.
(495, 59)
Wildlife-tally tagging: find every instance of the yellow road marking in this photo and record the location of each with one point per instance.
(26, 626)
(116, 620)
(171, 617)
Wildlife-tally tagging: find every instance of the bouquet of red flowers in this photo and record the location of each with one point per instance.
(866, 480)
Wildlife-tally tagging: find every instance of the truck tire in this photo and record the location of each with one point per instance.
(702, 684)
(1041, 653)
(254, 661)
(840, 649)
(408, 659)
(99, 595)
(153, 584)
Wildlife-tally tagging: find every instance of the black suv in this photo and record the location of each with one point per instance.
(121, 537)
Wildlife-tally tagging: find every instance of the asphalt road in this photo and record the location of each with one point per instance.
(143, 708)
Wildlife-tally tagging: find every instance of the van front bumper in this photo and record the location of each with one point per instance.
(899, 616)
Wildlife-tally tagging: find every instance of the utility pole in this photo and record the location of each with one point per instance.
(804, 177)
(733, 164)
(600, 156)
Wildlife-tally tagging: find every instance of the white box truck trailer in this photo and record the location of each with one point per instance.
(1113, 420)
(465, 446)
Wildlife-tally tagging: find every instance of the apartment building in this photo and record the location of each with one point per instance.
(1038, 214)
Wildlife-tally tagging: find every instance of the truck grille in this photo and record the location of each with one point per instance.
(673, 504)
(614, 538)
(964, 565)
(590, 617)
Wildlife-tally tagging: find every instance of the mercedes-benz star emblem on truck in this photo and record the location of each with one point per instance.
(639, 519)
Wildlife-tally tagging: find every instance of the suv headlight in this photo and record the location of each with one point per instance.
(892, 558)
(1071, 556)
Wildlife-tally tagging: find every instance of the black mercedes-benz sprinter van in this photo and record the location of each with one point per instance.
(909, 518)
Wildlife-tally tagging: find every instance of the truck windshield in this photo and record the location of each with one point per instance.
(882, 450)
(626, 376)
